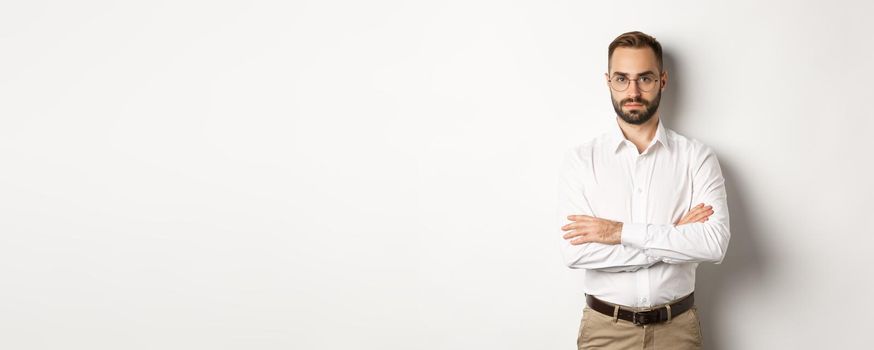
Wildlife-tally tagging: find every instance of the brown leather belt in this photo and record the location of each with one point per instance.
(641, 318)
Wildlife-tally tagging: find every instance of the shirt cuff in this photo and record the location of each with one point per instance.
(634, 235)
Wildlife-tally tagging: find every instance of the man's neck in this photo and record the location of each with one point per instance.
(640, 135)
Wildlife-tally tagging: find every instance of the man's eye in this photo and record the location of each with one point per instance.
(646, 79)
(620, 79)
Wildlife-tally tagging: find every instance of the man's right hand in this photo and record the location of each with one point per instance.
(699, 213)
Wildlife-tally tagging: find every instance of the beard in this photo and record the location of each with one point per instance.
(637, 116)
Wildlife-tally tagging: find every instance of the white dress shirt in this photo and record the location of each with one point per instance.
(648, 192)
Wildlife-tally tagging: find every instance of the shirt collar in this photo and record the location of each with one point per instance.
(617, 137)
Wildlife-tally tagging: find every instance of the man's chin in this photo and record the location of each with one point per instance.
(632, 118)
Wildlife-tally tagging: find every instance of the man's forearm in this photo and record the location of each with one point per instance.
(592, 231)
(697, 242)
(605, 257)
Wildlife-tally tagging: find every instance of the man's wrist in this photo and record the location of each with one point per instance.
(617, 232)
(634, 235)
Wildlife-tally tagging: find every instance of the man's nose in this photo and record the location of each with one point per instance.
(633, 89)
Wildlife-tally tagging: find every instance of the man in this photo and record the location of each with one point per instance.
(641, 206)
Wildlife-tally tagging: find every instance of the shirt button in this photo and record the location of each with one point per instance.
(643, 300)
(639, 190)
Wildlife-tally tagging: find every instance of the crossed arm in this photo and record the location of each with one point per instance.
(594, 243)
(588, 229)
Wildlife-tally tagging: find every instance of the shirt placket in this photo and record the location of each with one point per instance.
(639, 202)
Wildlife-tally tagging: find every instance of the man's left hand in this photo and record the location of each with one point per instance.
(586, 229)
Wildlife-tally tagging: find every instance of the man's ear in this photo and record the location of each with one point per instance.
(664, 79)
(607, 76)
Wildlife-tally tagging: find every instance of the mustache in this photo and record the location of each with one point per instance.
(634, 100)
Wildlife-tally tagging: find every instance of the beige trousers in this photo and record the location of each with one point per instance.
(599, 331)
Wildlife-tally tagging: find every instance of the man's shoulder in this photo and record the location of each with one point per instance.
(583, 151)
(687, 144)
(696, 153)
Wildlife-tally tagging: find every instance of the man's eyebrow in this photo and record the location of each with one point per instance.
(638, 74)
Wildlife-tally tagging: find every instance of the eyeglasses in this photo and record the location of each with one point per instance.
(644, 83)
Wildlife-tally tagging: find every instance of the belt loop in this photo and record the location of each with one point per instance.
(668, 306)
(615, 313)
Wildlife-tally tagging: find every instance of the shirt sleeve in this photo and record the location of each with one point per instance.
(590, 256)
(696, 242)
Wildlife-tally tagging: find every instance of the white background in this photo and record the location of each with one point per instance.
(382, 175)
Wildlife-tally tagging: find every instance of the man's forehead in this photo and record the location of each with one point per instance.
(633, 60)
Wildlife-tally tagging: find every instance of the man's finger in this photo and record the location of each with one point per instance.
(569, 226)
(697, 209)
(702, 215)
(578, 217)
(574, 233)
(580, 240)
(683, 220)
(706, 216)
(706, 211)
(575, 225)
(582, 232)
(694, 217)
(696, 212)
(688, 217)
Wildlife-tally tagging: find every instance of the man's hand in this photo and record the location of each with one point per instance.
(699, 213)
(587, 229)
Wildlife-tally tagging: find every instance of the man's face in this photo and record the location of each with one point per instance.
(634, 105)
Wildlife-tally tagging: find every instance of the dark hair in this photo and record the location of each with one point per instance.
(636, 40)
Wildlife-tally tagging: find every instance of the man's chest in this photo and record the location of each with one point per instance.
(655, 188)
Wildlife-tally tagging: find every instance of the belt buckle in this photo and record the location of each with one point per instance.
(643, 318)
